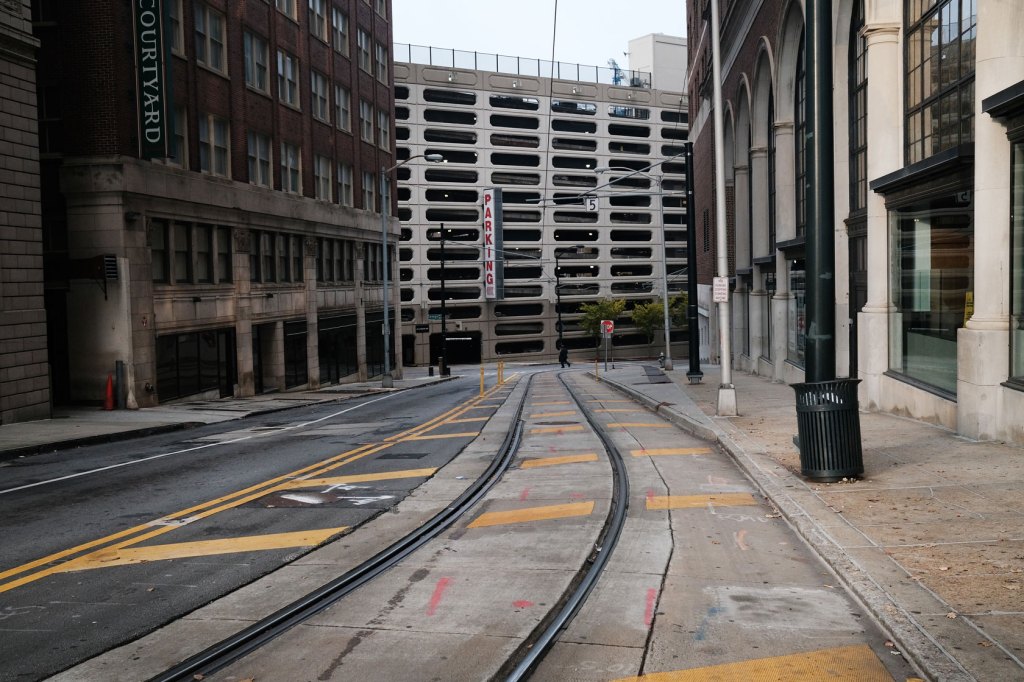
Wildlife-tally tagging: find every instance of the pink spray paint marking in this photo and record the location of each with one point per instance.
(435, 599)
(575, 496)
(652, 595)
(523, 495)
(650, 495)
(522, 603)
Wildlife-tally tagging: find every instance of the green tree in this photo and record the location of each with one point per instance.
(591, 315)
(677, 309)
(648, 317)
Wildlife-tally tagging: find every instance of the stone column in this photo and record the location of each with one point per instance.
(243, 314)
(312, 313)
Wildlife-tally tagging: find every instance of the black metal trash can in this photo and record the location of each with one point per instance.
(828, 428)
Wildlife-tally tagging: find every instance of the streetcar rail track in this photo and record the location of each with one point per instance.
(236, 647)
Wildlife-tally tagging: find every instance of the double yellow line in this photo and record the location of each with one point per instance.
(55, 563)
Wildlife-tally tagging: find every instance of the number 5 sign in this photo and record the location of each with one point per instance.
(607, 326)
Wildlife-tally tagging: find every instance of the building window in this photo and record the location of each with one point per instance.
(291, 173)
(260, 162)
(339, 29)
(365, 121)
(931, 282)
(771, 173)
(318, 95)
(158, 236)
(345, 184)
(363, 49)
(178, 152)
(1017, 266)
(287, 78)
(181, 244)
(283, 261)
(318, 19)
(384, 129)
(213, 145)
(343, 108)
(381, 54)
(858, 84)
(257, 62)
(223, 243)
(322, 177)
(177, 34)
(210, 38)
(269, 269)
(939, 76)
(204, 253)
(369, 194)
(797, 313)
(287, 7)
(382, 8)
(800, 140)
(295, 248)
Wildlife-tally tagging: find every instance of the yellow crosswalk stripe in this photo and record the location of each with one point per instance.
(556, 511)
(542, 415)
(857, 663)
(699, 501)
(551, 461)
(670, 451)
(556, 429)
(136, 555)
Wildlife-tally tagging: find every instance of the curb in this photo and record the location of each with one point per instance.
(911, 640)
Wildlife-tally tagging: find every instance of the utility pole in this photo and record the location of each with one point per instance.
(693, 324)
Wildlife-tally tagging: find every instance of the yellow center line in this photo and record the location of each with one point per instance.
(700, 501)
(563, 413)
(557, 511)
(857, 663)
(438, 436)
(557, 429)
(361, 478)
(670, 451)
(182, 550)
(467, 420)
(551, 461)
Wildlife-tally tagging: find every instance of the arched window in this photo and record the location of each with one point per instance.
(800, 140)
(858, 86)
(771, 173)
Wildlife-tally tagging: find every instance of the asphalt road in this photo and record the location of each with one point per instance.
(115, 540)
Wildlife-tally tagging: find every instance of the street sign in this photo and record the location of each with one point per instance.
(591, 203)
(434, 317)
(720, 290)
(607, 326)
(422, 328)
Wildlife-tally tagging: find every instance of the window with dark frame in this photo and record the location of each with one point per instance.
(858, 90)
(800, 140)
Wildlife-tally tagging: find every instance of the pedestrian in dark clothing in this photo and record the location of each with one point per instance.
(563, 357)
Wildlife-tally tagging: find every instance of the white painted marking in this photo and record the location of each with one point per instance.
(345, 487)
(360, 501)
(305, 499)
(198, 447)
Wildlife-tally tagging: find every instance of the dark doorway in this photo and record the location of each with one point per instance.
(463, 348)
(57, 346)
(858, 291)
(408, 350)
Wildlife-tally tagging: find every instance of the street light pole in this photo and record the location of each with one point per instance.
(443, 369)
(387, 381)
(693, 324)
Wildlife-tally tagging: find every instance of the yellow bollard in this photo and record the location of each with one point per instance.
(481, 381)
(501, 371)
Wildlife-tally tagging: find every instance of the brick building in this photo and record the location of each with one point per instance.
(228, 242)
(24, 373)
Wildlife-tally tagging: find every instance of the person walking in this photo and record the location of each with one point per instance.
(563, 357)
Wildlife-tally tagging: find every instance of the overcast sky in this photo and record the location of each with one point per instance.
(590, 32)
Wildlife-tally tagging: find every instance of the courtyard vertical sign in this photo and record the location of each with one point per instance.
(493, 266)
(151, 78)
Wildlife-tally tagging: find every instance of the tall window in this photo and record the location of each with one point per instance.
(181, 242)
(223, 242)
(318, 97)
(177, 35)
(259, 159)
(382, 8)
(1017, 266)
(384, 129)
(287, 7)
(204, 253)
(771, 172)
(158, 236)
(939, 77)
(381, 54)
(213, 145)
(178, 153)
(210, 38)
(369, 194)
(339, 30)
(291, 172)
(858, 84)
(287, 78)
(322, 177)
(343, 108)
(363, 49)
(365, 120)
(318, 18)
(257, 61)
(800, 140)
(345, 184)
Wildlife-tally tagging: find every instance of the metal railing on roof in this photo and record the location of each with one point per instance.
(520, 66)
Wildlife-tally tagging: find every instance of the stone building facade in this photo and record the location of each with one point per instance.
(929, 272)
(24, 369)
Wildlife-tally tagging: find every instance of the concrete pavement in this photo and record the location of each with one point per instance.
(931, 539)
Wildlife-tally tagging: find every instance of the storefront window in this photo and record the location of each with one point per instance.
(796, 350)
(1017, 268)
(766, 316)
(932, 287)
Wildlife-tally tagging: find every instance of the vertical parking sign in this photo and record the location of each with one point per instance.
(493, 262)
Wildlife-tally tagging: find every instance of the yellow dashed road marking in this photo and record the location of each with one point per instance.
(466, 420)
(698, 501)
(670, 451)
(557, 429)
(856, 663)
(181, 550)
(361, 478)
(551, 461)
(438, 436)
(557, 511)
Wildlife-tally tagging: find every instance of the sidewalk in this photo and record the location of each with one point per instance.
(931, 539)
(72, 427)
